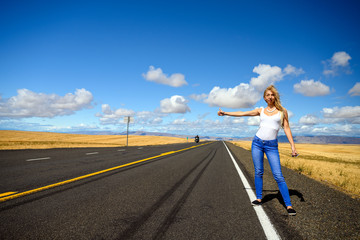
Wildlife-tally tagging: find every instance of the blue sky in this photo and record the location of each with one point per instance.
(70, 66)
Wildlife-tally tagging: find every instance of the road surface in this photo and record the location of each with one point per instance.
(178, 191)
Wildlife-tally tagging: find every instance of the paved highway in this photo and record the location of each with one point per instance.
(179, 191)
(194, 193)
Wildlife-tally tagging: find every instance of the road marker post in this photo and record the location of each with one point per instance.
(128, 120)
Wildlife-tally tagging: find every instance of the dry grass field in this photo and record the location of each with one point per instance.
(335, 164)
(42, 140)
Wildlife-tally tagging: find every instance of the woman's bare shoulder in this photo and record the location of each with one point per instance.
(258, 110)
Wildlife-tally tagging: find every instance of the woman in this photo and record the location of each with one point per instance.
(265, 141)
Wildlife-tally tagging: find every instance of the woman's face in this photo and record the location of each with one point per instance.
(269, 97)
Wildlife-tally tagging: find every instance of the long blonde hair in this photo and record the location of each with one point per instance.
(277, 102)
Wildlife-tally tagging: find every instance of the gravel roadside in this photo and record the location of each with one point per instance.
(322, 212)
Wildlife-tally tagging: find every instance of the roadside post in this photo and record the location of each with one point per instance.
(128, 120)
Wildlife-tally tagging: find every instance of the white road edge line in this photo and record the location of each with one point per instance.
(265, 222)
(91, 153)
(37, 159)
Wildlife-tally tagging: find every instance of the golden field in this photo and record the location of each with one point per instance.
(335, 164)
(42, 140)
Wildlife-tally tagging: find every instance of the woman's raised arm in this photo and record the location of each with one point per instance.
(255, 112)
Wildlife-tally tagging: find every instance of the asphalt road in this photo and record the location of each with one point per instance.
(191, 194)
(166, 192)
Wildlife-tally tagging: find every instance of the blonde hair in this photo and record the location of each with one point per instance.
(277, 101)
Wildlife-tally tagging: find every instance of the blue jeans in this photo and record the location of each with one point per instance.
(270, 148)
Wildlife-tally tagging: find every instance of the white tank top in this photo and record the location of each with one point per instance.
(269, 126)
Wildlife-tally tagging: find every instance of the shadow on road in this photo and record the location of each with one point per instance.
(277, 195)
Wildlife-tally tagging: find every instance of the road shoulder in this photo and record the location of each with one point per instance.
(322, 212)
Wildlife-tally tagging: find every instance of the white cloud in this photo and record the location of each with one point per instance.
(311, 88)
(106, 109)
(238, 120)
(157, 75)
(241, 96)
(30, 104)
(149, 118)
(232, 121)
(355, 91)
(339, 61)
(198, 97)
(289, 69)
(181, 121)
(337, 129)
(269, 75)
(309, 120)
(175, 104)
(254, 121)
(156, 120)
(336, 115)
(116, 116)
(224, 126)
(247, 95)
(110, 116)
(343, 112)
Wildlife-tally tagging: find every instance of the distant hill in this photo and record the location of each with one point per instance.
(322, 139)
(316, 139)
(282, 138)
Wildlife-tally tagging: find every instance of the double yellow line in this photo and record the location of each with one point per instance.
(12, 195)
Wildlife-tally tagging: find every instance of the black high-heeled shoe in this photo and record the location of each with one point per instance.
(256, 203)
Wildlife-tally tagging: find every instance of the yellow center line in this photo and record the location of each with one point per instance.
(13, 196)
(6, 194)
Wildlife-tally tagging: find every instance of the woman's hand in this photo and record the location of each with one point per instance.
(294, 152)
(221, 112)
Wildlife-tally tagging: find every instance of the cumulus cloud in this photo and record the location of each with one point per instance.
(309, 120)
(340, 59)
(149, 118)
(181, 121)
(241, 96)
(110, 116)
(175, 104)
(254, 121)
(267, 75)
(271, 74)
(311, 88)
(355, 91)
(157, 75)
(30, 104)
(342, 112)
(335, 115)
(338, 62)
(224, 126)
(247, 95)
(198, 97)
(337, 129)
(289, 69)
